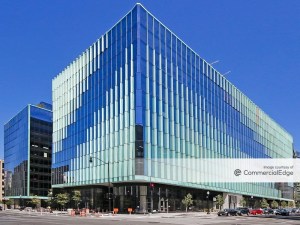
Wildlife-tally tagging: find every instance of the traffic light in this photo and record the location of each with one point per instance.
(151, 186)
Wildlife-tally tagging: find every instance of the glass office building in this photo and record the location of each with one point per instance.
(139, 93)
(27, 153)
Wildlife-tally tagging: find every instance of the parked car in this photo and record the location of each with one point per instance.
(296, 210)
(268, 211)
(289, 209)
(227, 212)
(242, 211)
(282, 212)
(256, 211)
(275, 210)
(0, 208)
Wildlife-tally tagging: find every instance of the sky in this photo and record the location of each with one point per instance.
(258, 41)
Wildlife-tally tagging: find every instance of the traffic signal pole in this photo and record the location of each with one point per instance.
(151, 195)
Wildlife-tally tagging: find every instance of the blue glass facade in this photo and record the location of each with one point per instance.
(139, 92)
(94, 109)
(27, 153)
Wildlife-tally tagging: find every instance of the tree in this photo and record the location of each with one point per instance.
(76, 197)
(291, 204)
(257, 204)
(298, 204)
(264, 203)
(274, 204)
(283, 204)
(220, 201)
(187, 201)
(62, 199)
(35, 201)
(243, 202)
(9, 202)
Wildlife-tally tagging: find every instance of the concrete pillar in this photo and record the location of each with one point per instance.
(231, 200)
(122, 203)
(143, 198)
(121, 194)
(226, 201)
(238, 198)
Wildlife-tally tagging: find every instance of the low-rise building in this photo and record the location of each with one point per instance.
(28, 154)
(1, 179)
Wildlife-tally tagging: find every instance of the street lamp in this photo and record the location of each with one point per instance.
(208, 211)
(108, 176)
(50, 195)
(20, 201)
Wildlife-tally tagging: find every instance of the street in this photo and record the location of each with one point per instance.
(14, 217)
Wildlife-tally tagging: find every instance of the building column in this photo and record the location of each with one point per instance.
(143, 198)
(231, 200)
(226, 201)
(121, 197)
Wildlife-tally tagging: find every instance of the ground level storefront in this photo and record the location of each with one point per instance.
(149, 197)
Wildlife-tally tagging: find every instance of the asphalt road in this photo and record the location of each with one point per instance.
(24, 218)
